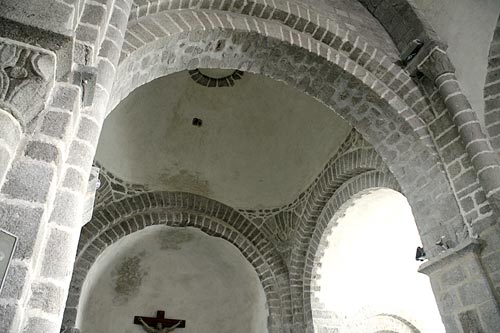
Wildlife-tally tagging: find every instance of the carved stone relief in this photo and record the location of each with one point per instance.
(26, 79)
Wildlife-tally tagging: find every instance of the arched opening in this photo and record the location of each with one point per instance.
(280, 230)
(366, 277)
(334, 52)
(190, 275)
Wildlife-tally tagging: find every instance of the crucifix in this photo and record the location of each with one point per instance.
(159, 324)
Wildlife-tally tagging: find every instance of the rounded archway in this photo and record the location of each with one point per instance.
(352, 79)
(340, 53)
(366, 277)
(140, 211)
(353, 92)
(201, 279)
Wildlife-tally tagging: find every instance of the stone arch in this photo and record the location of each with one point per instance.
(399, 125)
(348, 75)
(402, 20)
(321, 39)
(317, 18)
(387, 322)
(492, 91)
(389, 80)
(179, 209)
(354, 187)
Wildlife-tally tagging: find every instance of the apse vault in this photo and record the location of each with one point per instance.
(191, 276)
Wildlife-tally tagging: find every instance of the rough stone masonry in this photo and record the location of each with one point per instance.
(66, 64)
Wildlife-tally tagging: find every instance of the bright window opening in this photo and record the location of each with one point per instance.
(368, 280)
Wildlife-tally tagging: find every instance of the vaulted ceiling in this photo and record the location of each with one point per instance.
(260, 143)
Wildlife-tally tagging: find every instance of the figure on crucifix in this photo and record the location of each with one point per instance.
(159, 327)
(159, 324)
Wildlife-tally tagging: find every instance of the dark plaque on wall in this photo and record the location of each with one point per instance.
(7, 245)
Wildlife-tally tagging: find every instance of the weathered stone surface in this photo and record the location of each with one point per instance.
(315, 37)
(49, 15)
(46, 297)
(36, 325)
(55, 262)
(470, 322)
(26, 79)
(11, 131)
(14, 281)
(453, 276)
(5, 159)
(10, 136)
(56, 124)
(65, 212)
(28, 181)
(435, 62)
(23, 222)
(42, 151)
(7, 312)
(66, 97)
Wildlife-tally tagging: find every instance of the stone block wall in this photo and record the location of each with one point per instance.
(492, 91)
(464, 296)
(47, 151)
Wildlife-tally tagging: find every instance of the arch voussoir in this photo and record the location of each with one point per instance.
(326, 221)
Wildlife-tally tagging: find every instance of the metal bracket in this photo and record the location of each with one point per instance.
(86, 78)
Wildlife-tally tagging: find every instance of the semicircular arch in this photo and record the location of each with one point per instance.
(177, 209)
(355, 187)
(362, 91)
(384, 119)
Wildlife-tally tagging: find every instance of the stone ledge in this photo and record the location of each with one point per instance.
(470, 245)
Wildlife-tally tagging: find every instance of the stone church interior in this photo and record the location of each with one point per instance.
(250, 166)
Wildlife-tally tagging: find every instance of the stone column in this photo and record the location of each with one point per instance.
(42, 188)
(54, 269)
(437, 66)
(463, 292)
(27, 76)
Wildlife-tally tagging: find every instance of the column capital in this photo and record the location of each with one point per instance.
(431, 60)
(435, 63)
(467, 246)
(27, 76)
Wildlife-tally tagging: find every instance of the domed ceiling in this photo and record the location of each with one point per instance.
(256, 144)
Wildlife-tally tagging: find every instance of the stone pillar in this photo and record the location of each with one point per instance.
(437, 66)
(28, 173)
(55, 265)
(463, 292)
